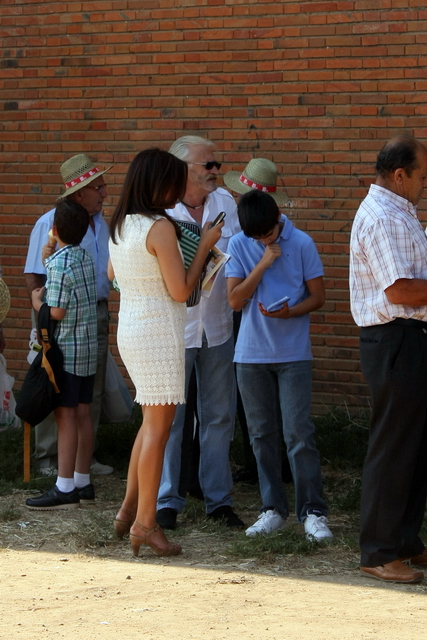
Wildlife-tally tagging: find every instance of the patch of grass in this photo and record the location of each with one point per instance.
(267, 548)
(95, 530)
(349, 542)
(9, 513)
(342, 443)
(342, 437)
(194, 509)
(342, 489)
(11, 457)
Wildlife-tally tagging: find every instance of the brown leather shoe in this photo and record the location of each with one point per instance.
(420, 559)
(395, 571)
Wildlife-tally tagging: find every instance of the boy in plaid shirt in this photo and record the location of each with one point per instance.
(70, 293)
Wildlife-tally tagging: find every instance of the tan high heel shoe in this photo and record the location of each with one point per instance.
(172, 549)
(122, 527)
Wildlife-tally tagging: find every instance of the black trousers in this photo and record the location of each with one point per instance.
(394, 483)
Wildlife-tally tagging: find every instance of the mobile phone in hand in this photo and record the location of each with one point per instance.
(220, 217)
(275, 306)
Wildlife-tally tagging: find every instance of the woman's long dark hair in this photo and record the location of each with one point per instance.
(155, 181)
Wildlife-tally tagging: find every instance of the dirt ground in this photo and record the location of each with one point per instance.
(57, 581)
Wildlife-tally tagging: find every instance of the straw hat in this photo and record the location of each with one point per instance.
(77, 172)
(4, 300)
(259, 174)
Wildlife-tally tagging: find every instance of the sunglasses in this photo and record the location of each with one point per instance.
(209, 165)
(100, 188)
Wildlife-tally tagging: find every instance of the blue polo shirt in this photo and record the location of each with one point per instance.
(266, 340)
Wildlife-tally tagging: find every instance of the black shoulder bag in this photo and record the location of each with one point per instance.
(40, 392)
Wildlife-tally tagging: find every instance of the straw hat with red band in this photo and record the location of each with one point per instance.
(259, 174)
(78, 172)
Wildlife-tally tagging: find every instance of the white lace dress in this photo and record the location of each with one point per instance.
(150, 333)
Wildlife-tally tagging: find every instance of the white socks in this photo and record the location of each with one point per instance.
(81, 479)
(65, 484)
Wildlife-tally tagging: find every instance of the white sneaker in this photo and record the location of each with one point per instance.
(99, 469)
(316, 528)
(267, 522)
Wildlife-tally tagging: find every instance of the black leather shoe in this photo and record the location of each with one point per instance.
(54, 499)
(226, 515)
(166, 518)
(87, 494)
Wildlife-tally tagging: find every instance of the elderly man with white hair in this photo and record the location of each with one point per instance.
(209, 348)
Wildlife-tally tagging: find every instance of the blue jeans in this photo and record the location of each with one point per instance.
(274, 396)
(216, 408)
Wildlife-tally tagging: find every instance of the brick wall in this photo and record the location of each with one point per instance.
(317, 87)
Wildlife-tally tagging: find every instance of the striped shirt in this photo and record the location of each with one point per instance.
(71, 285)
(387, 243)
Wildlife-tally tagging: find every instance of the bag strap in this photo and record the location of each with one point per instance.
(46, 330)
(45, 325)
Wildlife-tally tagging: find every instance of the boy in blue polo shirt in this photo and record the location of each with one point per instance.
(70, 293)
(272, 261)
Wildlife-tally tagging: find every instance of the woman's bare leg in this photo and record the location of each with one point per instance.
(155, 433)
(145, 467)
(130, 502)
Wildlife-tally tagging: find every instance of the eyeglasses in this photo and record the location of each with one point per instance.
(100, 188)
(209, 165)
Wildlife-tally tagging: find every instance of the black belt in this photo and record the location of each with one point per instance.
(410, 322)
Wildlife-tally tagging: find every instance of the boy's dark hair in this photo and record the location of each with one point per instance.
(258, 213)
(71, 221)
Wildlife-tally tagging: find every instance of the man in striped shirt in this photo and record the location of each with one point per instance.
(388, 293)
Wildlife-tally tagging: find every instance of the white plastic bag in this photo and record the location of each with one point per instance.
(117, 403)
(8, 418)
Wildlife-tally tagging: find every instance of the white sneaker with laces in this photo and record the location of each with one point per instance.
(316, 528)
(267, 522)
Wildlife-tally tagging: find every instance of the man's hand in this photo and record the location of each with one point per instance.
(210, 235)
(37, 298)
(411, 292)
(47, 251)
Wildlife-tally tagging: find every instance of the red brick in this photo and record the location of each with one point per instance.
(316, 86)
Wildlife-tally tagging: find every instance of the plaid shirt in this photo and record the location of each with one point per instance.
(71, 285)
(387, 243)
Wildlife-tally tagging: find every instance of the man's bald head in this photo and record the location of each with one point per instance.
(398, 153)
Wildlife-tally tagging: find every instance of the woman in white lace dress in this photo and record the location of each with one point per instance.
(154, 285)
